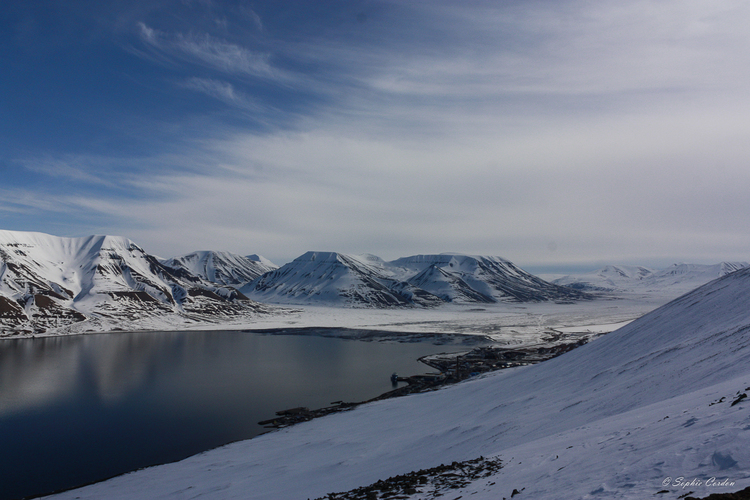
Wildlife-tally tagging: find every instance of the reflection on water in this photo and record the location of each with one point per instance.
(84, 408)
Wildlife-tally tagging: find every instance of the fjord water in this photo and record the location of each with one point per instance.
(80, 409)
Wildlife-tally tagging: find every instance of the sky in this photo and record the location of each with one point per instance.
(557, 134)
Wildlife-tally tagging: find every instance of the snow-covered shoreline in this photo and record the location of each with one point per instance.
(500, 323)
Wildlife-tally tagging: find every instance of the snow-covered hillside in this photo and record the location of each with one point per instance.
(469, 278)
(53, 284)
(639, 413)
(336, 278)
(224, 268)
(672, 281)
(685, 277)
(425, 280)
(608, 278)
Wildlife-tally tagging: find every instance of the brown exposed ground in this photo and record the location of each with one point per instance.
(10, 309)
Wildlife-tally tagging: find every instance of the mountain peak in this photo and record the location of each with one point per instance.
(100, 282)
(224, 268)
(417, 280)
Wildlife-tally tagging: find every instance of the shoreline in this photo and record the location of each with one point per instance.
(453, 368)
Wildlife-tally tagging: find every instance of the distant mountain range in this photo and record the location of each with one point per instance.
(100, 283)
(674, 280)
(423, 280)
(97, 283)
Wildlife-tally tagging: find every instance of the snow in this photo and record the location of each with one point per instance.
(672, 281)
(259, 258)
(643, 409)
(51, 285)
(502, 323)
(334, 279)
(224, 268)
(54, 286)
(422, 280)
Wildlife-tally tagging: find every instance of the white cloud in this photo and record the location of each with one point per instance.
(571, 48)
(640, 188)
(76, 167)
(223, 91)
(210, 51)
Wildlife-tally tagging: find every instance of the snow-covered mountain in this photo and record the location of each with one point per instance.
(690, 276)
(336, 278)
(674, 280)
(608, 278)
(469, 278)
(425, 280)
(224, 268)
(656, 409)
(61, 284)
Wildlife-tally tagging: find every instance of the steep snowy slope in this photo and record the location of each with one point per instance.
(336, 278)
(635, 414)
(674, 280)
(48, 282)
(469, 278)
(224, 268)
(424, 280)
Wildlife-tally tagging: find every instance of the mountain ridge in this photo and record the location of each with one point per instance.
(676, 279)
(334, 277)
(421, 280)
(101, 282)
(220, 267)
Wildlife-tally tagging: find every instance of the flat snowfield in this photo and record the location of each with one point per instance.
(503, 323)
(654, 409)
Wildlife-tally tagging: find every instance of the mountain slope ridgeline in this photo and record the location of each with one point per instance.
(98, 283)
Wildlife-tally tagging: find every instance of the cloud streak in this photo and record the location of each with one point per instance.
(223, 91)
(209, 51)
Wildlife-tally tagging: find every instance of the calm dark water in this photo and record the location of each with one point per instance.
(80, 409)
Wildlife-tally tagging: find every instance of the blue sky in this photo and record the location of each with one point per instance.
(552, 133)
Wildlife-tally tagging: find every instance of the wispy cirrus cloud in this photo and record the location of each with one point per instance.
(223, 91)
(207, 50)
(77, 168)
